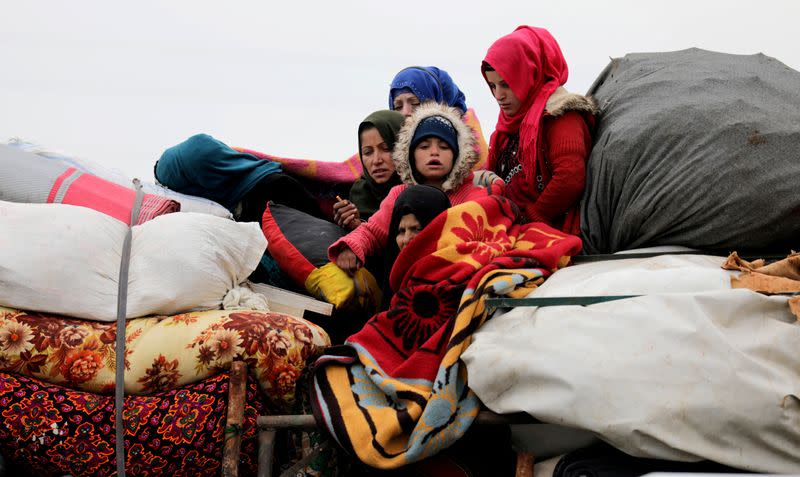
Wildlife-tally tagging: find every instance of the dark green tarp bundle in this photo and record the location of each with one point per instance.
(694, 148)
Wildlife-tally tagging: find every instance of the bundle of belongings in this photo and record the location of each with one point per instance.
(695, 365)
(187, 315)
(32, 178)
(694, 148)
(35, 172)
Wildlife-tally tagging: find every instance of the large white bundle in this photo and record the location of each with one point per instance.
(695, 370)
(66, 259)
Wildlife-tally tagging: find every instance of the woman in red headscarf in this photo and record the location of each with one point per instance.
(542, 139)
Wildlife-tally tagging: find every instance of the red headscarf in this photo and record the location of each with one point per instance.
(531, 62)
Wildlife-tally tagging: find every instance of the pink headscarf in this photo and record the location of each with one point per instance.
(531, 62)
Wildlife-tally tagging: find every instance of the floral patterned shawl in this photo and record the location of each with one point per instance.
(395, 393)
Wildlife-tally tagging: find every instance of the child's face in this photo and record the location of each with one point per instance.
(501, 91)
(376, 155)
(408, 229)
(433, 159)
(405, 103)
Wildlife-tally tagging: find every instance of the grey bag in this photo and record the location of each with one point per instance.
(694, 148)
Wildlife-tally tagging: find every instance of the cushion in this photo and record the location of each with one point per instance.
(299, 243)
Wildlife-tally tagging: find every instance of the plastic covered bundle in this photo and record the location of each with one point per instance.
(694, 148)
(691, 369)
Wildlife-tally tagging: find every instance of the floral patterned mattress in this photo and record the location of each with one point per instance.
(162, 353)
(46, 429)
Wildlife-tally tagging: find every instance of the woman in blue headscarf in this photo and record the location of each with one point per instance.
(415, 85)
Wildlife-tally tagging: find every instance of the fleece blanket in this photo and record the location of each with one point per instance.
(161, 352)
(51, 430)
(347, 171)
(31, 178)
(395, 392)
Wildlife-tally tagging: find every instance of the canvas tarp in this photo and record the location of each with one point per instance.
(694, 148)
(691, 370)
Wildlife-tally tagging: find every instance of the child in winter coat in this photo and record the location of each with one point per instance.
(416, 85)
(542, 139)
(434, 147)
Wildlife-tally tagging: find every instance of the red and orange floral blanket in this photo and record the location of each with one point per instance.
(47, 429)
(161, 352)
(395, 392)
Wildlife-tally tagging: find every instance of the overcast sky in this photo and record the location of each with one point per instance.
(116, 84)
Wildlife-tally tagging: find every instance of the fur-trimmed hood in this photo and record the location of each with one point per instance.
(562, 101)
(467, 155)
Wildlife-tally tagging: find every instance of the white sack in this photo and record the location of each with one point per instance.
(693, 371)
(65, 259)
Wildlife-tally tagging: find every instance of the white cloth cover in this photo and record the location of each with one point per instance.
(694, 370)
(65, 259)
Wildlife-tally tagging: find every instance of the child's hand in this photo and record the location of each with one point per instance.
(347, 261)
(345, 214)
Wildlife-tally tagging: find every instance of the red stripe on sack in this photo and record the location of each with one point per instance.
(57, 184)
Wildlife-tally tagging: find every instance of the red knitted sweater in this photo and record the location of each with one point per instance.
(564, 147)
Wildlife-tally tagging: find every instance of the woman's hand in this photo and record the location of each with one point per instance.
(485, 178)
(347, 260)
(346, 215)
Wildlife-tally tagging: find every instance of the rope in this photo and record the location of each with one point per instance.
(122, 306)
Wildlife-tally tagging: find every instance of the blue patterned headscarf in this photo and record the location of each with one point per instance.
(428, 83)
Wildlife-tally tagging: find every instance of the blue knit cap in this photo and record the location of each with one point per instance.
(437, 126)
